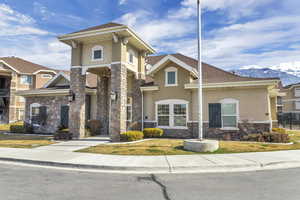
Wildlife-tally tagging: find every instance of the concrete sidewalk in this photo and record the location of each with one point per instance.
(154, 164)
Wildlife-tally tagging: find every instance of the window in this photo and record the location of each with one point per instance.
(172, 113)
(129, 109)
(38, 114)
(97, 53)
(131, 56)
(26, 79)
(297, 105)
(20, 114)
(171, 76)
(46, 76)
(297, 92)
(229, 112)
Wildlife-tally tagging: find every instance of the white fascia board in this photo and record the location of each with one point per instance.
(149, 88)
(10, 66)
(156, 67)
(41, 92)
(91, 33)
(148, 46)
(56, 77)
(231, 84)
(45, 70)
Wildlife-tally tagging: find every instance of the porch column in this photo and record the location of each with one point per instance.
(77, 86)
(77, 107)
(103, 97)
(118, 112)
(12, 98)
(137, 104)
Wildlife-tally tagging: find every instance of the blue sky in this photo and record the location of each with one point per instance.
(235, 32)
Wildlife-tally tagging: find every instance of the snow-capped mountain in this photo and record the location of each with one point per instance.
(258, 72)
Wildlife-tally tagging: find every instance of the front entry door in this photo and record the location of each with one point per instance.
(64, 116)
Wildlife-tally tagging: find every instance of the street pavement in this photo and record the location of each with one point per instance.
(34, 183)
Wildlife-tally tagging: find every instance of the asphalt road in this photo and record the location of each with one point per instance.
(31, 183)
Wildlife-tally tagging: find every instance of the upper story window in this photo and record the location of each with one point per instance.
(131, 56)
(97, 53)
(171, 76)
(26, 79)
(297, 92)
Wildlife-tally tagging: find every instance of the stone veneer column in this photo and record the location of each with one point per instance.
(77, 107)
(12, 98)
(118, 111)
(137, 103)
(103, 98)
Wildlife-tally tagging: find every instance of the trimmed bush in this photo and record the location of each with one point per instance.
(268, 137)
(279, 130)
(63, 134)
(131, 136)
(17, 129)
(153, 132)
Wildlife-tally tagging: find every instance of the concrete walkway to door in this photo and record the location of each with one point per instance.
(74, 145)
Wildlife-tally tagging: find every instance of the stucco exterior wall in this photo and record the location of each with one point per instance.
(87, 53)
(40, 81)
(289, 104)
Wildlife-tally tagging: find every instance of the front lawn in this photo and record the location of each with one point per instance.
(24, 141)
(175, 147)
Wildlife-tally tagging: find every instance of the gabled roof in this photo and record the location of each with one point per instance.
(211, 74)
(291, 86)
(108, 25)
(91, 79)
(22, 66)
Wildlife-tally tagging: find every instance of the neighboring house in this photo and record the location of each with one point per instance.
(291, 102)
(18, 74)
(134, 90)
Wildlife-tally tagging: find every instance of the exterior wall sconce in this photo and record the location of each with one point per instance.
(71, 96)
(113, 96)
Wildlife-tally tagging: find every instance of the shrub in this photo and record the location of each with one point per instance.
(268, 137)
(7, 127)
(94, 126)
(17, 129)
(153, 132)
(279, 130)
(63, 134)
(131, 136)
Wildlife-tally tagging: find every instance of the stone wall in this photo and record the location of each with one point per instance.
(213, 133)
(77, 107)
(53, 104)
(12, 99)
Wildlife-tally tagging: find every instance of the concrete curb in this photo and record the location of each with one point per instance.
(158, 170)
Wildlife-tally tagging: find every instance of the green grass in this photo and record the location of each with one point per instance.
(175, 147)
(24, 141)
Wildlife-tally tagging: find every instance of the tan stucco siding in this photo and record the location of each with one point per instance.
(41, 81)
(273, 102)
(87, 53)
(253, 103)
(133, 66)
(289, 104)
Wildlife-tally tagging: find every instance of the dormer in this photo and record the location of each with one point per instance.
(101, 46)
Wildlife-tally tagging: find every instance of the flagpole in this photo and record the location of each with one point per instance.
(200, 97)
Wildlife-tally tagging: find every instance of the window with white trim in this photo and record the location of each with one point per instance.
(297, 92)
(172, 113)
(131, 56)
(46, 76)
(97, 53)
(171, 76)
(129, 109)
(26, 79)
(229, 112)
(35, 113)
(297, 105)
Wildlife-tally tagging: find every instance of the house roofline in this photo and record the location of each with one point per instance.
(55, 77)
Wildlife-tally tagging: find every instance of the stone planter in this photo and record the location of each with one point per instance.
(201, 146)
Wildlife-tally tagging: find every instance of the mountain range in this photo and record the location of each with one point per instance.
(289, 73)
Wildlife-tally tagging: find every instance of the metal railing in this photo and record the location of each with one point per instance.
(289, 120)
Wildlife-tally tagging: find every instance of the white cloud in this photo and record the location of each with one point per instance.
(122, 2)
(13, 23)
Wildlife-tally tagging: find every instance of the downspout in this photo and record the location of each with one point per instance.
(142, 109)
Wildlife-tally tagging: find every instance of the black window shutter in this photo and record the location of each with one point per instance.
(43, 115)
(64, 116)
(215, 118)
